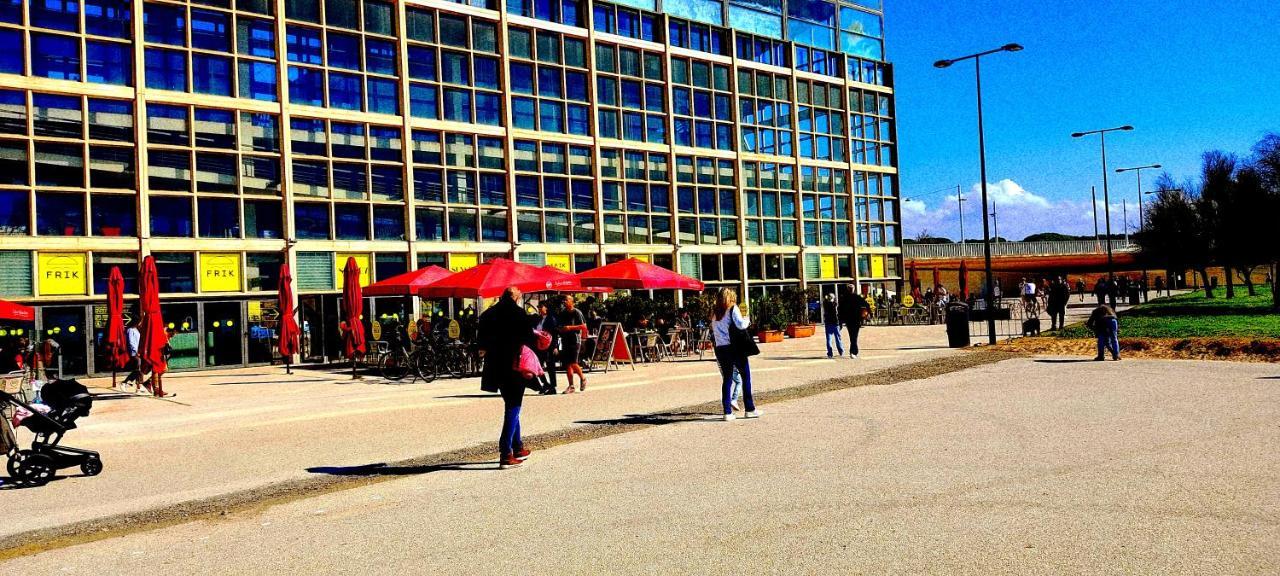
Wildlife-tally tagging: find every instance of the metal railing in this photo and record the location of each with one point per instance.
(974, 249)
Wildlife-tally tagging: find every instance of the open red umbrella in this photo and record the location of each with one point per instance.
(634, 274)
(489, 279)
(353, 306)
(406, 284)
(16, 312)
(964, 280)
(288, 324)
(117, 347)
(154, 337)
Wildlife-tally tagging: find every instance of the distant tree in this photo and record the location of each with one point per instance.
(1175, 236)
(1266, 164)
(1050, 237)
(926, 237)
(1218, 210)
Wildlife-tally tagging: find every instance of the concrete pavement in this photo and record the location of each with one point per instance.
(1039, 466)
(240, 431)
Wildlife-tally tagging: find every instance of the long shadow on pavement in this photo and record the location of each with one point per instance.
(654, 419)
(383, 469)
(1061, 360)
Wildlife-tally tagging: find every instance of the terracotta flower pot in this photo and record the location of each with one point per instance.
(769, 336)
(800, 330)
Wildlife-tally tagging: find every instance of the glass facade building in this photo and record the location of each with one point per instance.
(749, 143)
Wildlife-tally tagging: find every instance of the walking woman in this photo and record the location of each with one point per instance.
(732, 352)
(573, 326)
(1106, 327)
(503, 330)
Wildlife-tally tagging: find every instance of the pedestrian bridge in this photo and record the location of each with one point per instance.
(1056, 255)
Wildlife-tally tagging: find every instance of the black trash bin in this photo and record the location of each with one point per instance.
(1133, 295)
(957, 324)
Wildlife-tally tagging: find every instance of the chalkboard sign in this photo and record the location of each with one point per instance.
(605, 340)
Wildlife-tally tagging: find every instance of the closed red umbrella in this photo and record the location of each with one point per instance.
(491, 278)
(114, 340)
(154, 337)
(353, 306)
(937, 279)
(915, 282)
(406, 284)
(288, 324)
(634, 274)
(964, 280)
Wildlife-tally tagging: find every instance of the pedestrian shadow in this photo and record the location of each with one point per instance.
(493, 395)
(1269, 377)
(271, 382)
(384, 469)
(658, 419)
(1061, 360)
(106, 396)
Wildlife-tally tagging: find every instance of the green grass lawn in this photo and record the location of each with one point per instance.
(1194, 316)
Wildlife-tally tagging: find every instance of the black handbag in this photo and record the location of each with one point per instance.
(741, 342)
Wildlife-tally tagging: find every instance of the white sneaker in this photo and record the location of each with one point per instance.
(730, 417)
(853, 356)
(736, 404)
(755, 414)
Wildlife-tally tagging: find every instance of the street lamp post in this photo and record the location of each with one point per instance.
(960, 207)
(1138, 169)
(1106, 201)
(982, 158)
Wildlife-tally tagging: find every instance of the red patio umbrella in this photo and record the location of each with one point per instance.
(489, 279)
(937, 279)
(406, 284)
(353, 305)
(634, 274)
(16, 312)
(114, 340)
(154, 337)
(964, 280)
(288, 324)
(915, 282)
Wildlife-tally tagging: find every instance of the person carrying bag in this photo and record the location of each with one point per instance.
(733, 348)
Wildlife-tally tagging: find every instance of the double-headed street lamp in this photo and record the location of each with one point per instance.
(1106, 200)
(982, 158)
(1138, 170)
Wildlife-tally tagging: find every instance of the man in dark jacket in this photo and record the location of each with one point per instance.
(831, 321)
(1059, 296)
(503, 329)
(851, 308)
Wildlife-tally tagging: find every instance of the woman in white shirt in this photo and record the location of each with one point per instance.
(729, 357)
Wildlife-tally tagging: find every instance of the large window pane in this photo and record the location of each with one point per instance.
(59, 214)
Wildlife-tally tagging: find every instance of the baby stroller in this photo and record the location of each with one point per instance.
(68, 401)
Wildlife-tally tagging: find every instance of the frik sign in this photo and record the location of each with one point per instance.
(220, 272)
(62, 274)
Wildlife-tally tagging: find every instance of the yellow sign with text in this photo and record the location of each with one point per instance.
(561, 262)
(62, 274)
(460, 262)
(362, 260)
(877, 266)
(827, 266)
(641, 257)
(220, 272)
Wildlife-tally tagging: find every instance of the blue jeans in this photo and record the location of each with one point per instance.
(737, 386)
(728, 362)
(1109, 338)
(510, 440)
(834, 330)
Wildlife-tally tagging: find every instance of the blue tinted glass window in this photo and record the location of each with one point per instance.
(755, 22)
(576, 86)
(388, 183)
(521, 77)
(429, 223)
(256, 37)
(306, 85)
(422, 101)
(166, 69)
(422, 63)
(211, 74)
(457, 105)
(311, 221)
(171, 216)
(209, 30)
(344, 51)
(258, 80)
(388, 224)
(59, 214)
(345, 91)
(455, 68)
(579, 120)
(380, 56)
(383, 96)
(304, 45)
(165, 24)
(55, 57)
(551, 116)
(14, 212)
(550, 82)
(524, 113)
(486, 70)
(488, 108)
(351, 221)
(219, 218)
(11, 59)
(108, 18)
(11, 11)
(56, 14)
(109, 63)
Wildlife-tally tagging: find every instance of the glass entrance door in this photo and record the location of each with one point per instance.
(67, 326)
(223, 334)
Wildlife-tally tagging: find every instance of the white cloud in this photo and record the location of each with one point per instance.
(1019, 213)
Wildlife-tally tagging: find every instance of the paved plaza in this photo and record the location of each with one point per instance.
(1024, 466)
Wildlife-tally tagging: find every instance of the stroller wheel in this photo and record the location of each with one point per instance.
(15, 462)
(91, 467)
(37, 469)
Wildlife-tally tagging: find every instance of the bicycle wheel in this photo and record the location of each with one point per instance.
(457, 362)
(394, 365)
(424, 364)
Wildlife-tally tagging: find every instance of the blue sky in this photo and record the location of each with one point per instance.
(1189, 75)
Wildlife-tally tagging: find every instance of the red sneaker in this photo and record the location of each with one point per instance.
(522, 453)
(509, 461)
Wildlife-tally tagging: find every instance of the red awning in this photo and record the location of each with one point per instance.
(636, 274)
(16, 312)
(406, 284)
(489, 279)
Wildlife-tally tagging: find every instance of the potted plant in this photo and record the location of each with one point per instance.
(797, 303)
(770, 317)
